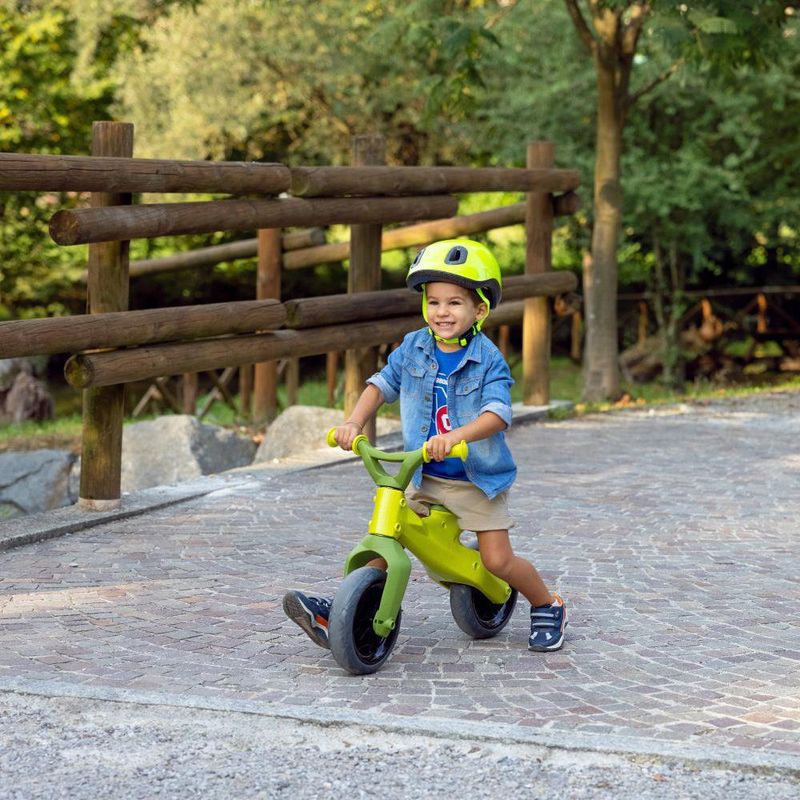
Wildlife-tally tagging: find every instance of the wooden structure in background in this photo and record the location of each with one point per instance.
(536, 323)
(107, 291)
(153, 344)
(364, 275)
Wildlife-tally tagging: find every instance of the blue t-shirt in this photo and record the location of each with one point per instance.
(450, 468)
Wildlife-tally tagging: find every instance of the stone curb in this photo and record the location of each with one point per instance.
(62, 521)
(709, 757)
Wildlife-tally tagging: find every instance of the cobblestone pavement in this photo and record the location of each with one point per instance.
(671, 533)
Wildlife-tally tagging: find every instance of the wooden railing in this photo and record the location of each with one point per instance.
(113, 346)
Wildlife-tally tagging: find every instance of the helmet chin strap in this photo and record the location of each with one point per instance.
(465, 337)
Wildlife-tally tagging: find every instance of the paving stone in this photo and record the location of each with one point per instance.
(672, 536)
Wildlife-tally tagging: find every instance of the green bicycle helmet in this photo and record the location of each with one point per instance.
(465, 263)
(461, 261)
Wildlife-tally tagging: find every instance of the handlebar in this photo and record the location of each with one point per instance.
(409, 460)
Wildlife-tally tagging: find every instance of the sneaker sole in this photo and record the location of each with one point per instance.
(300, 615)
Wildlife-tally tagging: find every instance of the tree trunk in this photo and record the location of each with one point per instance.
(601, 367)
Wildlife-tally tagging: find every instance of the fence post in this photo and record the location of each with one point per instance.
(107, 290)
(364, 276)
(536, 318)
(268, 286)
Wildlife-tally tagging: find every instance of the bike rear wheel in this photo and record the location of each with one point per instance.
(476, 615)
(354, 643)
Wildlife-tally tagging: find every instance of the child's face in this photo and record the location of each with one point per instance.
(452, 309)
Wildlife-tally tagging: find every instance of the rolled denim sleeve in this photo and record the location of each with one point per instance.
(496, 390)
(388, 379)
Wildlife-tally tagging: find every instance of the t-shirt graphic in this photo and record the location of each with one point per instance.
(451, 468)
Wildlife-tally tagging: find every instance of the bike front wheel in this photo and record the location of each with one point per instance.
(354, 643)
(476, 615)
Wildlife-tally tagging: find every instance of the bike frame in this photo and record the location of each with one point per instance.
(395, 528)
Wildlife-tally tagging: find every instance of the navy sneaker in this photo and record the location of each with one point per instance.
(310, 613)
(547, 626)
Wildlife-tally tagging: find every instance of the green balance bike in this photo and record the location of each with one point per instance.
(365, 616)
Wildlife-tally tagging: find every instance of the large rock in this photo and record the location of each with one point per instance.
(34, 481)
(22, 395)
(28, 399)
(302, 428)
(177, 448)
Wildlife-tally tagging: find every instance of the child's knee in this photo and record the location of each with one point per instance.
(498, 561)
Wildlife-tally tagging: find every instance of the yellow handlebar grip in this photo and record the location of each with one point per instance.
(330, 437)
(426, 459)
(357, 441)
(459, 450)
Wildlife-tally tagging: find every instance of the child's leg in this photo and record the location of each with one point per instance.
(498, 557)
(548, 612)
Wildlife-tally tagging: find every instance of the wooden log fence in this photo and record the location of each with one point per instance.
(374, 181)
(87, 225)
(108, 286)
(125, 329)
(220, 253)
(156, 343)
(47, 173)
(141, 363)
(314, 311)
(53, 335)
(427, 232)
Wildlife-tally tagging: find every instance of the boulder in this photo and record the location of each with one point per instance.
(302, 428)
(177, 448)
(33, 481)
(28, 399)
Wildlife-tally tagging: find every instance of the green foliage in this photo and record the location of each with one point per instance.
(41, 111)
(709, 160)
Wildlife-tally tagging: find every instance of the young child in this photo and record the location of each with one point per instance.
(453, 384)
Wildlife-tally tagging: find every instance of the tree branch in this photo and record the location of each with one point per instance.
(586, 36)
(657, 81)
(633, 29)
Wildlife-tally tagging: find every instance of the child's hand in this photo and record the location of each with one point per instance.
(439, 446)
(345, 435)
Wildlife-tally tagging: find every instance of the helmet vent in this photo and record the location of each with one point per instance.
(457, 255)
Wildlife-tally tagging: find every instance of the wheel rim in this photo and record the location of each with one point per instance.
(492, 615)
(370, 647)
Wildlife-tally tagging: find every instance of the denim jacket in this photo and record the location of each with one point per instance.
(481, 382)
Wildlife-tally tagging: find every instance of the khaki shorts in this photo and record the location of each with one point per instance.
(473, 509)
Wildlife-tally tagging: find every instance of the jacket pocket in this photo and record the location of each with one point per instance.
(469, 386)
(467, 403)
(415, 370)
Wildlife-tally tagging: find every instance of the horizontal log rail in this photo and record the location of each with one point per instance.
(219, 253)
(143, 363)
(50, 173)
(344, 308)
(427, 232)
(360, 181)
(52, 335)
(307, 237)
(23, 338)
(202, 257)
(120, 223)
(124, 366)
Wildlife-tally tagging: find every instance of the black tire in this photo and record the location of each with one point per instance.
(354, 644)
(475, 614)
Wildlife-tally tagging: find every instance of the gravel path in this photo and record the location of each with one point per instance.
(57, 748)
